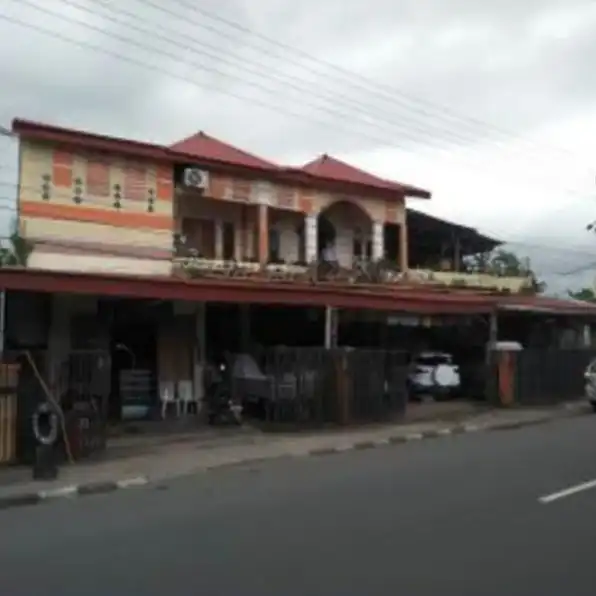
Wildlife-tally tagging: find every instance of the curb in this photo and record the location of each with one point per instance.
(95, 488)
(458, 429)
(69, 492)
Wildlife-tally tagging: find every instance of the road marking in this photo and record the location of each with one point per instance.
(130, 482)
(572, 490)
(471, 428)
(57, 493)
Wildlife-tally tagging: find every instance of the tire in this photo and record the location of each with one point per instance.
(593, 404)
(47, 436)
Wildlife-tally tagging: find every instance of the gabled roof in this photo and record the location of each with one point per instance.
(330, 168)
(325, 170)
(203, 146)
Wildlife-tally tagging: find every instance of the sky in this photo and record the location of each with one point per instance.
(490, 105)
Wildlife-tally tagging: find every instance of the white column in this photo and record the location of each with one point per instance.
(378, 240)
(310, 240)
(219, 239)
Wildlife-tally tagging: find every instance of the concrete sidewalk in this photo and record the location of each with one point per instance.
(188, 457)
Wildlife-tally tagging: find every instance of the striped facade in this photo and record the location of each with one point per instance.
(91, 212)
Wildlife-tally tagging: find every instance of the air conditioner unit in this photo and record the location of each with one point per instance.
(196, 178)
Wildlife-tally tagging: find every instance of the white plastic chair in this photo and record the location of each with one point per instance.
(186, 396)
(167, 396)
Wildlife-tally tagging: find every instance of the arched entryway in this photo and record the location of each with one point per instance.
(344, 232)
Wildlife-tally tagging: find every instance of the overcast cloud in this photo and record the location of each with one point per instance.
(488, 104)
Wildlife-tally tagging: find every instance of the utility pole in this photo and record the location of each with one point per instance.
(4, 132)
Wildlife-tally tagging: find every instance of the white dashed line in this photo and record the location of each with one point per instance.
(568, 492)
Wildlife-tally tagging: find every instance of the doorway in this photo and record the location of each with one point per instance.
(133, 349)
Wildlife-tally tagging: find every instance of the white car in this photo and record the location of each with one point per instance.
(590, 377)
(434, 374)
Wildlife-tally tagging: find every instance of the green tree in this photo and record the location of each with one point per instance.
(505, 263)
(17, 252)
(585, 294)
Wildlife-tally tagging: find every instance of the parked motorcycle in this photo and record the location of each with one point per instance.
(221, 408)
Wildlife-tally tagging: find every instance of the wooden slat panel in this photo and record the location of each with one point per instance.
(62, 164)
(164, 183)
(8, 423)
(98, 177)
(135, 182)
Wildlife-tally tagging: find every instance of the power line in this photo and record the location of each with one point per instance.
(103, 50)
(389, 92)
(580, 269)
(192, 44)
(206, 68)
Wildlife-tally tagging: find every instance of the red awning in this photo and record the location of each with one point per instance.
(244, 291)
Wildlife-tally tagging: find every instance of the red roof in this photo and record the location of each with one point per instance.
(325, 171)
(330, 168)
(203, 146)
(238, 291)
(88, 140)
(546, 305)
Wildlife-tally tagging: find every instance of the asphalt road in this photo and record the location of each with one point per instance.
(452, 516)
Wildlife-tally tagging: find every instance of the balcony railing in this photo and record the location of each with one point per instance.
(363, 272)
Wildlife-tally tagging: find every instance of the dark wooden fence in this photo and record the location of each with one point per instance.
(538, 376)
(9, 378)
(80, 382)
(315, 386)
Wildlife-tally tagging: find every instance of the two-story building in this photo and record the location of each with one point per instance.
(131, 240)
(115, 206)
